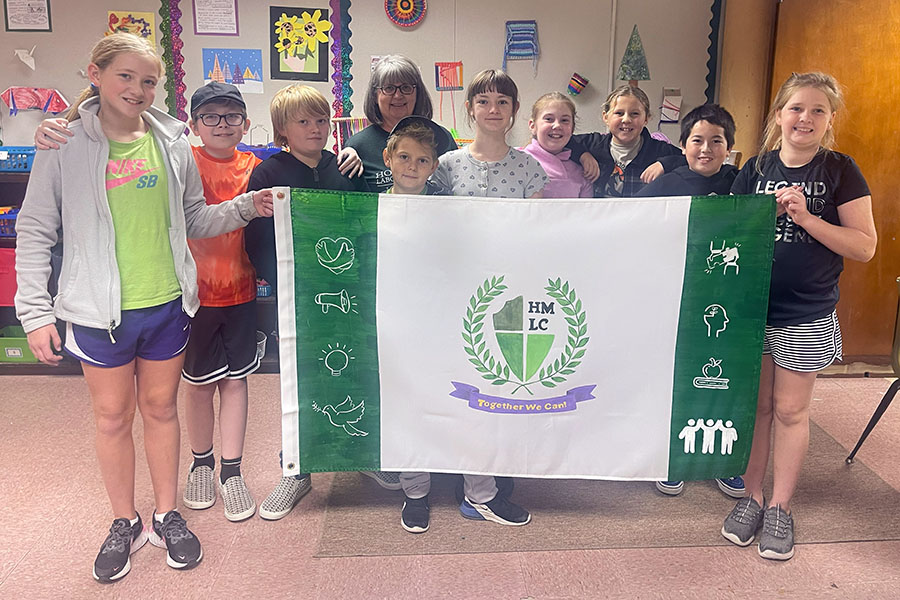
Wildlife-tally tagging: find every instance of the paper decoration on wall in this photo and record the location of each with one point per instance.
(26, 56)
(170, 30)
(24, 98)
(343, 128)
(671, 105)
(447, 78)
(259, 135)
(521, 42)
(137, 23)
(299, 43)
(237, 66)
(405, 13)
(634, 63)
(576, 84)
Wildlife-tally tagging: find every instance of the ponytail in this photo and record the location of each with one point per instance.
(88, 92)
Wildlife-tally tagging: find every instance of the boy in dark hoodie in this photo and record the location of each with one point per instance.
(707, 136)
(301, 119)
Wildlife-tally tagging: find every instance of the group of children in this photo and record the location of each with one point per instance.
(129, 320)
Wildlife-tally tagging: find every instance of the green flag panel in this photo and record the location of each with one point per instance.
(335, 248)
(722, 319)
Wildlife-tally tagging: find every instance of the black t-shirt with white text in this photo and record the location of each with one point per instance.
(804, 272)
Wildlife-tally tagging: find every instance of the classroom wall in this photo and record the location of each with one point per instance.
(574, 36)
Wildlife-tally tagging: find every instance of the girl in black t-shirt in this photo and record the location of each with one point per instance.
(824, 213)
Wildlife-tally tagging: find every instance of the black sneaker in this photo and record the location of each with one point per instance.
(501, 510)
(114, 560)
(414, 515)
(505, 486)
(183, 549)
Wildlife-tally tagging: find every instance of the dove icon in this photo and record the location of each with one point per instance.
(335, 255)
(345, 415)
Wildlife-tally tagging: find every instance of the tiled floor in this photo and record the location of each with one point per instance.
(53, 510)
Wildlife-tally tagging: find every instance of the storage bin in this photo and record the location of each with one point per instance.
(8, 223)
(7, 276)
(16, 159)
(14, 345)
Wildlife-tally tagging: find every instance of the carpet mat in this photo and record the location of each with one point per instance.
(834, 502)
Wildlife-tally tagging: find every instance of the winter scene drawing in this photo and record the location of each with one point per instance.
(237, 66)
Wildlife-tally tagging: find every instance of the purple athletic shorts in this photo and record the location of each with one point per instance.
(155, 333)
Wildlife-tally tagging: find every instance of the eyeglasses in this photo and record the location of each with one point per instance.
(389, 90)
(213, 119)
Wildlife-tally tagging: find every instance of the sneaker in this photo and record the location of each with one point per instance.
(200, 489)
(239, 504)
(284, 497)
(414, 515)
(389, 480)
(183, 549)
(505, 486)
(776, 541)
(499, 510)
(670, 488)
(114, 560)
(743, 521)
(732, 486)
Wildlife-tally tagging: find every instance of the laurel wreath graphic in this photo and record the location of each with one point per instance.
(496, 371)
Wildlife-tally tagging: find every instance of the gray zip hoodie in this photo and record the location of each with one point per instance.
(67, 195)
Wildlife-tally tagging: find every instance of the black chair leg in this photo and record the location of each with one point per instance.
(885, 402)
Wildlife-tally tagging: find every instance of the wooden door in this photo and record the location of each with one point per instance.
(859, 43)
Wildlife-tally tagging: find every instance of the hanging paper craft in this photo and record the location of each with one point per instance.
(405, 13)
(576, 84)
(634, 63)
(521, 42)
(138, 23)
(299, 43)
(24, 98)
(671, 105)
(447, 78)
(237, 66)
(347, 127)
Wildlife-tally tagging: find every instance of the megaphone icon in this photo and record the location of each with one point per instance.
(340, 301)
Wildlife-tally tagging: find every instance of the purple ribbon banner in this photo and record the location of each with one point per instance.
(515, 406)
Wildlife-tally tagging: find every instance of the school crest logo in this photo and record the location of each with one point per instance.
(512, 346)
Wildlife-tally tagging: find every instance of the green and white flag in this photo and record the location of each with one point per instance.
(607, 338)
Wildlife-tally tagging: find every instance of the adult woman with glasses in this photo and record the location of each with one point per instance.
(396, 90)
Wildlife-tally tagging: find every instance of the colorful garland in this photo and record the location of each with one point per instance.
(340, 62)
(405, 13)
(178, 59)
(170, 26)
(165, 41)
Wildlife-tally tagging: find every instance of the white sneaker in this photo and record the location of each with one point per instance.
(389, 480)
(239, 504)
(284, 497)
(200, 489)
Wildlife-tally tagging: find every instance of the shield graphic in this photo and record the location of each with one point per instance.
(524, 352)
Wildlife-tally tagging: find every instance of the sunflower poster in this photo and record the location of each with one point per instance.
(299, 43)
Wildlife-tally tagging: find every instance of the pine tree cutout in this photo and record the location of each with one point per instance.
(634, 63)
(237, 78)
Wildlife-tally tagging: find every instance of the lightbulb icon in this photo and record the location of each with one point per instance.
(337, 358)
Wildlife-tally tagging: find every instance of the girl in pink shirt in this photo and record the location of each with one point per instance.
(552, 123)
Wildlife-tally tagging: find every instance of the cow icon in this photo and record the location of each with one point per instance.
(723, 257)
